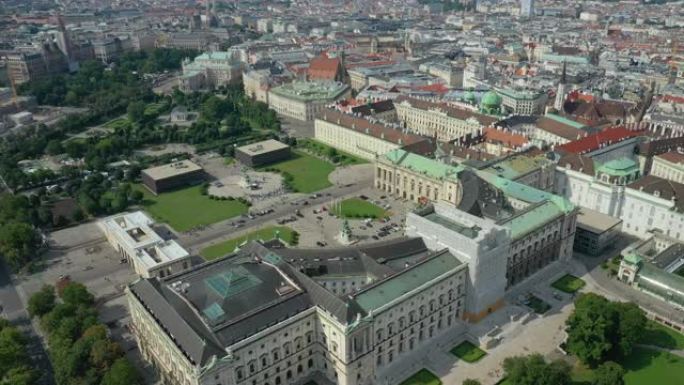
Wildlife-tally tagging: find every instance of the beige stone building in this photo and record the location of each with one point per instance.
(416, 178)
(439, 119)
(304, 100)
(360, 137)
(264, 317)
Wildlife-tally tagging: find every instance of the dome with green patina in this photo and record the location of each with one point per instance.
(618, 171)
(491, 100)
(469, 97)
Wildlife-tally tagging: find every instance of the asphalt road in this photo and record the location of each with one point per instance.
(196, 239)
(12, 308)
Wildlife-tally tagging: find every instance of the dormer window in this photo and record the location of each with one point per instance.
(656, 193)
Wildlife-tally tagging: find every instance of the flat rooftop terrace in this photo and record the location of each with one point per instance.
(172, 169)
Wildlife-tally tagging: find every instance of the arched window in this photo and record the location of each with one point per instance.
(310, 363)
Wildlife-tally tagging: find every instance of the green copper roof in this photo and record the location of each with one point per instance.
(410, 279)
(526, 193)
(491, 99)
(619, 167)
(565, 121)
(423, 165)
(470, 97)
(516, 166)
(632, 258)
(532, 219)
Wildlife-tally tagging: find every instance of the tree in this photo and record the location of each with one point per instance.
(42, 301)
(54, 147)
(12, 349)
(136, 111)
(534, 370)
(21, 375)
(76, 294)
(609, 373)
(470, 381)
(122, 373)
(632, 323)
(213, 109)
(599, 329)
(18, 243)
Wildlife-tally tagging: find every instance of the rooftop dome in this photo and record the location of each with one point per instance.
(491, 99)
(469, 97)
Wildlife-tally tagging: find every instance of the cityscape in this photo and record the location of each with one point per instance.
(341, 192)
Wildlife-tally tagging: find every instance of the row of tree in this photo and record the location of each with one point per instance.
(80, 350)
(15, 364)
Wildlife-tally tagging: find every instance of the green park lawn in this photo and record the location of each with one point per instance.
(468, 352)
(358, 208)
(568, 284)
(187, 208)
(308, 173)
(154, 108)
(422, 377)
(643, 367)
(117, 123)
(266, 234)
(662, 336)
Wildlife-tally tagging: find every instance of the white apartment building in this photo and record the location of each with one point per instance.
(616, 188)
(132, 235)
(364, 138)
(304, 100)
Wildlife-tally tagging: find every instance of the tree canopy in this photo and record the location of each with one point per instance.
(534, 370)
(599, 330)
(79, 347)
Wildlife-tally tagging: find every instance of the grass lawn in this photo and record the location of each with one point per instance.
(568, 283)
(117, 123)
(358, 208)
(468, 352)
(322, 149)
(266, 234)
(662, 336)
(643, 367)
(537, 304)
(647, 366)
(308, 173)
(423, 377)
(154, 108)
(187, 208)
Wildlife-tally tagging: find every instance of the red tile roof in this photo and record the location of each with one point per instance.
(593, 142)
(324, 68)
(508, 139)
(672, 157)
